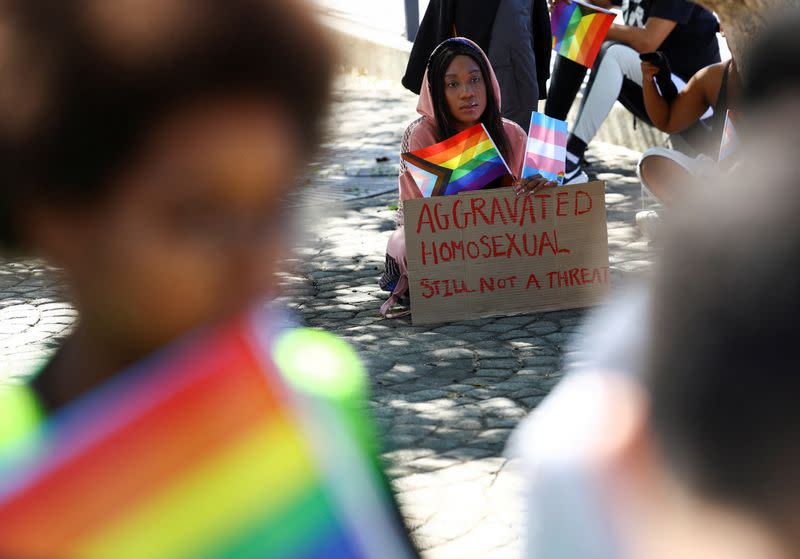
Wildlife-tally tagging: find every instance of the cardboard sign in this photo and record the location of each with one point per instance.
(493, 253)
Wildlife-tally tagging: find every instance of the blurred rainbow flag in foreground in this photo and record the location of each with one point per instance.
(467, 161)
(546, 153)
(223, 447)
(579, 28)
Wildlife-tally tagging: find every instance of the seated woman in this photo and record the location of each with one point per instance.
(459, 90)
(664, 172)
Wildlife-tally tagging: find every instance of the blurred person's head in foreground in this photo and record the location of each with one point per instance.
(712, 460)
(145, 149)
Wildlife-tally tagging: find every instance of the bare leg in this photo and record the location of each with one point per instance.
(664, 178)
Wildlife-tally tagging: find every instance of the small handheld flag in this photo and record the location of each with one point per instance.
(223, 447)
(579, 28)
(468, 161)
(546, 152)
(730, 139)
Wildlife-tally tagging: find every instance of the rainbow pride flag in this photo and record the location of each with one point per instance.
(546, 153)
(730, 138)
(468, 161)
(225, 447)
(579, 28)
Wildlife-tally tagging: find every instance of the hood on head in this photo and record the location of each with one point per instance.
(425, 104)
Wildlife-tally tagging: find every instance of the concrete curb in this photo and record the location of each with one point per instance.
(366, 50)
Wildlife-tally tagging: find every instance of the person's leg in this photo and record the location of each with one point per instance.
(620, 62)
(631, 97)
(598, 61)
(395, 275)
(664, 177)
(565, 83)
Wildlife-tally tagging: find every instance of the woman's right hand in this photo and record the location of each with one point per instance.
(649, 71)
(532, 185)
(551, 4)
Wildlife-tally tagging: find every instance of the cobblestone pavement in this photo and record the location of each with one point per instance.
(448, 396)
(445, 396)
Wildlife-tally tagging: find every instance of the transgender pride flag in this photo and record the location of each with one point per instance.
(547, 148)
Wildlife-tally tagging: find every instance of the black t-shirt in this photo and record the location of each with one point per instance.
(692, 45)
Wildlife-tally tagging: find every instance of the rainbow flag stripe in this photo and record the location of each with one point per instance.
(207, 451)
(579, 30)
(468, 161)
(730, 138)
(546, 153)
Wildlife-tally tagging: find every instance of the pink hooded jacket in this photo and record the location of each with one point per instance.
(423, 133)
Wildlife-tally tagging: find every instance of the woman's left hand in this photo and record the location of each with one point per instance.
(532, 185)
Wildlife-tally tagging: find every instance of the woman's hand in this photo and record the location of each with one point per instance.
(532, 185)
(649, 71)
(551, 4)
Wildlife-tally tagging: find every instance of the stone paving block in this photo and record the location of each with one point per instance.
(495, 373)
(541, 360)
(524, 393)
(533, 401)
(500, 327)
(514, 384)
(411, 429)
(493, 437)
(500, 364)
(559, 338)
(468, 453)
(518, 320)
(453, 329)
(542, 327)
(449, 353)
(476, 336)
(504, 422)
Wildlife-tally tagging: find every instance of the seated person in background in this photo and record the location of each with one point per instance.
(459, 91)
(669, 453)
(665, 172)
(662, 170)
(685, 32)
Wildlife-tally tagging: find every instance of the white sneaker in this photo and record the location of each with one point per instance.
(649, 223)
(577, 176)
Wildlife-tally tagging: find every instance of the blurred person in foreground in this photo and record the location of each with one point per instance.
(678, 434)
(146, 149)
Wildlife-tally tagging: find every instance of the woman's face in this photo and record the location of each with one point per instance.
(192, 232)
(465, 91)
